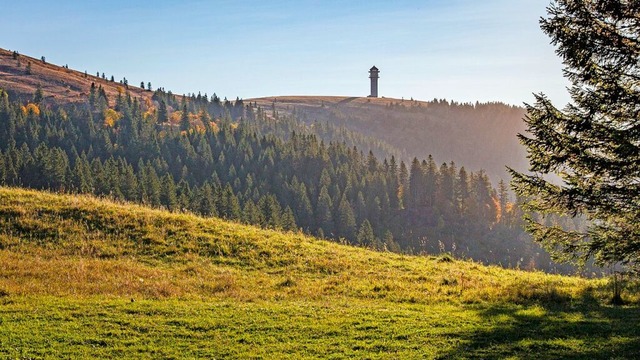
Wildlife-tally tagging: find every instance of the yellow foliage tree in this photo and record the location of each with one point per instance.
(176, 116)
(111, 117)
(149, 114)
(31, 109)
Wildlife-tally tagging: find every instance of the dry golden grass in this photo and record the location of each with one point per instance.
(66, 245)
(82, 277)
(282, 102)
(58, 84)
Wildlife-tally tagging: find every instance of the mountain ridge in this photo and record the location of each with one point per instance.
(21, 75)
(476, 136)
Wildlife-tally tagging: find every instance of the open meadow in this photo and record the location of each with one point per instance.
(83, 277)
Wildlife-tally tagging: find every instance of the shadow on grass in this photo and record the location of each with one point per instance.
(582, 329)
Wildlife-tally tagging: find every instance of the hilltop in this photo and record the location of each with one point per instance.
(84, 277)
(22, 75)
(476, 136)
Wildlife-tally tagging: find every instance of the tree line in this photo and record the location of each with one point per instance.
(222, 158)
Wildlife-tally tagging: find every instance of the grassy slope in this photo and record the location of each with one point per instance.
(59, 85)
(83, 277)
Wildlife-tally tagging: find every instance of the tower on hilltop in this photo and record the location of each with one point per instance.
(373, 75)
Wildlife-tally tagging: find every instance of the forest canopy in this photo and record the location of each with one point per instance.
(220, 158)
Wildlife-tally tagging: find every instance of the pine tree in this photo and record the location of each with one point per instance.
(129, 182)
(366, 236)
(462, 191)
(403, 178)
(168, 196)
(100, 185)
(59, 169)
(393, 185)
(345, 221)
(206, 204)
(503, 196)
(183, 191)
(3, 171)
(38, 95)
(302, 205)
(163, 114)
(430, 179)
(288, 221)
(153, 186)
(271, 211)
(417, 185)
(324, 217)
(592, 144)
(231, 208)
(184, 119)
(389, 243)
(251, 214)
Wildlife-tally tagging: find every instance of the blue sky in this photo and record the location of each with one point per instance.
(463, 50)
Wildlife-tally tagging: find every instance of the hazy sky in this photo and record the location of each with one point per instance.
(463, 50)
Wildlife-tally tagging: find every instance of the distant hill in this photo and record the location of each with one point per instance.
(22, 75)
(476, 136)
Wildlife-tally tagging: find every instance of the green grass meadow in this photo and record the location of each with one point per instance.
(82, 277)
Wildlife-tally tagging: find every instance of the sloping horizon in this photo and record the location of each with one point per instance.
(460, 50)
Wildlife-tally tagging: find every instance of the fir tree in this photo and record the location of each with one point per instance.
(163, 115)
(288, 221)
(592, 144)
(346, 221)
(38, 95)
(184, 119)
(168, 196)
(324, 217)
(365, 235)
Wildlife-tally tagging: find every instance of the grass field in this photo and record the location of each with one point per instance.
(87, 278)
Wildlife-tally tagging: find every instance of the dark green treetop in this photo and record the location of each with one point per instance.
(593, 143)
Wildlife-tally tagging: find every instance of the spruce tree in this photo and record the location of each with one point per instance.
(153, 186)
(346, 220)
(3, 171)
(592, 144)
(168, 196)
(184, 119)
(288, 221)
(251, 214)
(366, 236)
(324, 216)
(38, 95)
